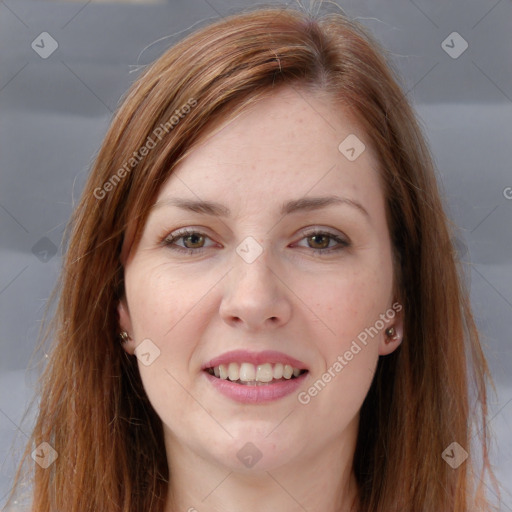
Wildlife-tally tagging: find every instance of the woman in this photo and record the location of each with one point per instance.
(260, 305)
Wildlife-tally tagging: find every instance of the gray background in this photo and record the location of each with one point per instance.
(55, 111)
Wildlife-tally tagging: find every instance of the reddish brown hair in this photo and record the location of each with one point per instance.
(93, 408)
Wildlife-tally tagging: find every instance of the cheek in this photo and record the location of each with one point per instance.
(159, 308)
(163, 297)
(350, 302)
(348, 347)
(171, 308)
(353, 310)
(349, 305)
(167, 310)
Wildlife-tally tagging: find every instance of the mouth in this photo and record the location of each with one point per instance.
(248, 374)
(255, 377)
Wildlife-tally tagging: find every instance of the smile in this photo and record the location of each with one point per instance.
(253, 375)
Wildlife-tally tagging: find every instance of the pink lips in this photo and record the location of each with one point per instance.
(257, 394)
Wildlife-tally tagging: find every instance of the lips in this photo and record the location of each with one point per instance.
(255, 377)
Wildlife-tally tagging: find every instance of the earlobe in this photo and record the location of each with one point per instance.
(393, 335)
(125, 327)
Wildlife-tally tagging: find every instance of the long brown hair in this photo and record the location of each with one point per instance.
(93, 409)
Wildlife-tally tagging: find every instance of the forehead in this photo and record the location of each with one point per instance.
(292, 143)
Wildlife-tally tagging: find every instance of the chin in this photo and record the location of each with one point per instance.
(253, 450)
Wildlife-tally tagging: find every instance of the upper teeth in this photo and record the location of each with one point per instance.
(247, 372)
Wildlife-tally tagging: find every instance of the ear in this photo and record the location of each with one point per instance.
(389, 344)
(125, 325)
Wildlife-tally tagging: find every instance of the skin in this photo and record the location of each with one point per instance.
(311, 306)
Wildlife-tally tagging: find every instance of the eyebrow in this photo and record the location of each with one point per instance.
(294, 206)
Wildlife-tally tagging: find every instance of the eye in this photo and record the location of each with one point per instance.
(193, 241)
(322, 242)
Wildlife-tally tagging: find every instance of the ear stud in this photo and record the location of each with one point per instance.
(390, 334)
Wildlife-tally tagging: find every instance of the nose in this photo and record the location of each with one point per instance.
(255, 296)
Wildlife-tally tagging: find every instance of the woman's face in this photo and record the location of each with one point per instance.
(286, 262)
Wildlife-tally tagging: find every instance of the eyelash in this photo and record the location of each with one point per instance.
(169, 241)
